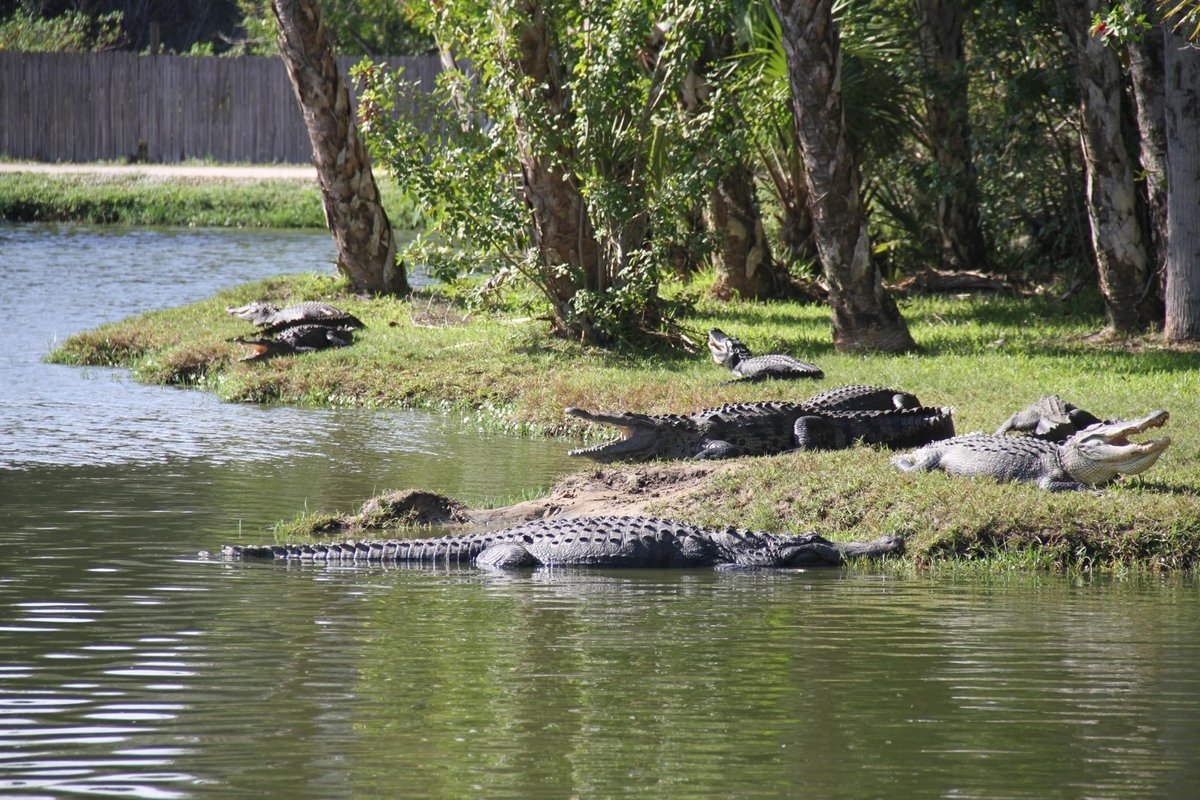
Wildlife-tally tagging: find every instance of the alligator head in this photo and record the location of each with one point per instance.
(300, 339)
(262, 349)
(643, 437)
(257, 312)
(726, 350)
(1099, 453)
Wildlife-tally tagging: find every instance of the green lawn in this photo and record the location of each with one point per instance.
(141, 199)
(985, 356)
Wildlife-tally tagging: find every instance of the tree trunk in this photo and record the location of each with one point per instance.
(1147, 71)
(742, 262)
(1183, 188)
(785, 169)
(795, 228)
(865, 317)
(563, 233)
(1117, 236)
(353, 210)
(939, 31)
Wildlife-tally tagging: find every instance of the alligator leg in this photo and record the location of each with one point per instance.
(925, 459)
(716, 449)
(508, 555)
(816, 433)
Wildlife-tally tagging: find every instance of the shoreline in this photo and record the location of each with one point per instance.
(188, 194)
(505, 372)
(985, 355)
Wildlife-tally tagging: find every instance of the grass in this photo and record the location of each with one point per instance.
(140, 199)
(986, 357)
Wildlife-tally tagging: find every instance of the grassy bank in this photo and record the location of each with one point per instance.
(136, 198)
(986, 357)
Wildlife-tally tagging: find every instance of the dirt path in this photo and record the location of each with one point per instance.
(221, 171)
(607, 490)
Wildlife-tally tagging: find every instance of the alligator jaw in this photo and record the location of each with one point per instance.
(1108, 443)
(259, 350)
(718, 346)
(637, 442)
(254, 312)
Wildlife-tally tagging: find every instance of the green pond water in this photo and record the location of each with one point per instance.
(130, 667)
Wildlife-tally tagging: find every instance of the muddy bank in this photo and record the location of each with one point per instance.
(609, 490)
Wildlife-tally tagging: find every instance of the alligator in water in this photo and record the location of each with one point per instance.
(1049, 418)
(270, 319)
(829, 421)
(591, 542)
(297, 339)
(1091, 457)
(730, 353)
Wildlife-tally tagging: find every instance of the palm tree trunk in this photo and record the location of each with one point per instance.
(939, 31)
(1183, 188)
(366, 248)
(1147, 71)
(1112, 202)
(742, 261)
(865, 317)
(570, 254)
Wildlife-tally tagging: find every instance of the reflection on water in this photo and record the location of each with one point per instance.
(131, 668)
(62, 279)
(162, 676)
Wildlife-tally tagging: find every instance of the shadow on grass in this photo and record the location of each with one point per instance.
(1159, 487)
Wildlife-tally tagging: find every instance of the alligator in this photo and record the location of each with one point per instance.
(1092, 457)
(1049, 418)
(831, 420)
(270, 319)
(606, 541)
(730, 353)
(297, 339)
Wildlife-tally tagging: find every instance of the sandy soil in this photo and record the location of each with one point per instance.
(606, 490)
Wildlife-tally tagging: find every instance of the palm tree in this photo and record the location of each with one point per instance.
(865, 317)
(947, 132)
(1183, 186)
(354, 212)
(1112, 201)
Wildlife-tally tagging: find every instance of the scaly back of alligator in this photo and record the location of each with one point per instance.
(762, 428)
(615, 541)
(897, 427)
(857, 397)
(731, 353)
(591, 541)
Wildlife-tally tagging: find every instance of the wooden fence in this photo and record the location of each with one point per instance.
(108, 106)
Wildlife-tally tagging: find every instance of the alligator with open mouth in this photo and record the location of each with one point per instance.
(300, 328)
(294, 340)
(730, 353)
(606, 541)
(831, 420)
(1092, 457)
